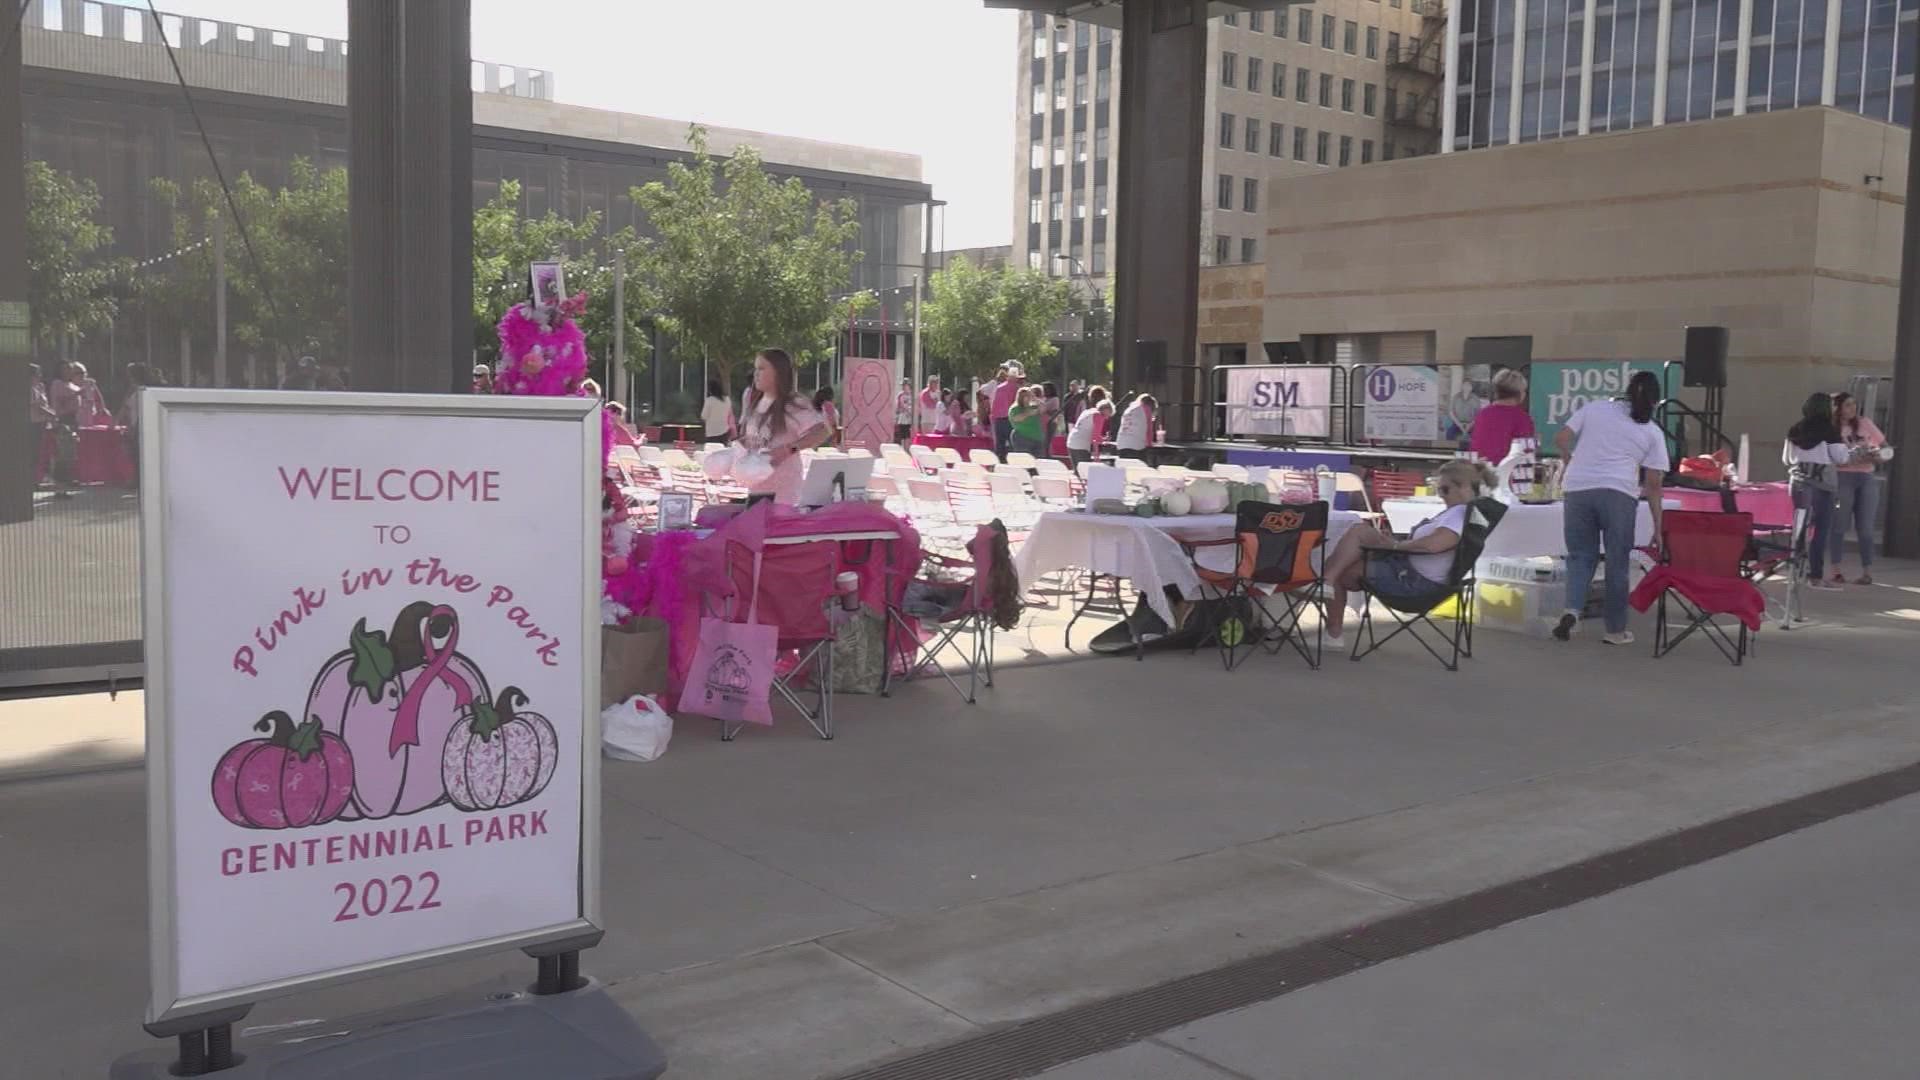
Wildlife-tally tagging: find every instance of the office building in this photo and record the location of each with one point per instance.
(1609, 65)
(1298, 90)
(1782, 227)
(101, 102)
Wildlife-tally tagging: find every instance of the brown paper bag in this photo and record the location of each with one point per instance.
(633, 660)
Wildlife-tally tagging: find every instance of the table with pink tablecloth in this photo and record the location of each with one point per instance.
(102, 455)
(1770, 504)
(681, 566)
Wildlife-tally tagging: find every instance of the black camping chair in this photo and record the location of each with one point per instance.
(1278, 549)
(1411, 613)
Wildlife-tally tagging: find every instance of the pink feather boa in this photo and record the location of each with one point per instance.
(542, 353)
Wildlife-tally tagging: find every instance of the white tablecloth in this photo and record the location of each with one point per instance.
(1142, 550)
(1528, 530)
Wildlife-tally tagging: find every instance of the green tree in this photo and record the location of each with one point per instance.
(977, 318)
(287, 297)
(742, 261)
(506, 244)
(73, 286)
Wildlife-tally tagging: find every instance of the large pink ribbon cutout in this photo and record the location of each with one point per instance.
(406, 718)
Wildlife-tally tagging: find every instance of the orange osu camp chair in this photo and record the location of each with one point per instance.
(1278, 552)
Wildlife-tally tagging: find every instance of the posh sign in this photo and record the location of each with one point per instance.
(371, 632)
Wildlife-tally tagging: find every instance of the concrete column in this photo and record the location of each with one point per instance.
(1450, 83)
(410, 212)
(19, 442)
(1903, 486)
(1162, 100)
(1586, 69)
(1519, 69)
(1662, 46)
(1830, 63)
(1742, 61)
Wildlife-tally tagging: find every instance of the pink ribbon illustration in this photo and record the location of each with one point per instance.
(406, 719)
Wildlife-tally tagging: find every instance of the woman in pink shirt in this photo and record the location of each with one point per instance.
(1495, 426)
(1859, 487)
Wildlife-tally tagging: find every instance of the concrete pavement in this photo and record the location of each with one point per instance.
(782, 907)
(1795, 958)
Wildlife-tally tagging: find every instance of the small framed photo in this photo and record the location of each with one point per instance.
(549, 284)
(676, 510)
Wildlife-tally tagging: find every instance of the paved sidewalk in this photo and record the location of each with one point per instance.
(1795, 958)
(782, 907)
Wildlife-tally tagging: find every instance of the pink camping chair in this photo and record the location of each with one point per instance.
(795, 583)
(955, 598)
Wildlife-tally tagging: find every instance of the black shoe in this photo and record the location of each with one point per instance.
(1563, 630)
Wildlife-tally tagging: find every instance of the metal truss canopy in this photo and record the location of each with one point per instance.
(1107, 12)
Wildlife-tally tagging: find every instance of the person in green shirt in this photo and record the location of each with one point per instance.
(1028, 423)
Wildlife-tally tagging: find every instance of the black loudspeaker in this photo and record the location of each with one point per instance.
(1499, 352)
(1151, 356)
(1706, 357)
(1285, 352)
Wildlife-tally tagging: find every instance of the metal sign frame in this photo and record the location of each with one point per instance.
(165, 1005)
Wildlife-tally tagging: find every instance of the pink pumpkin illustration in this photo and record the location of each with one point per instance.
(499, 756)
(393, 698)
(293, 778)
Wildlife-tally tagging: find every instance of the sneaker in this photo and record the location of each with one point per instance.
(1624, 637)
(1863, 579)
(1333, 642)
(1564, 629)
(1823, 585)
(1839, 578)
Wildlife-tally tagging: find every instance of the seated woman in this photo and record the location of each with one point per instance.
(1410, 567)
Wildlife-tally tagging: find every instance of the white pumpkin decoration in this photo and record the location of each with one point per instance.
(1176, 504)
(1208, 497)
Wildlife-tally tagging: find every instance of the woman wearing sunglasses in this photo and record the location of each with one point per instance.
(1410, 567)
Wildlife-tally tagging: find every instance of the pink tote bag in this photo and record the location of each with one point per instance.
(732, 668)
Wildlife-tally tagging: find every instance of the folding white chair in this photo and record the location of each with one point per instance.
(1053, 488)
(1051, 466)
(1020, 459)
(1010, 497)
(888, 448)
(986, 459)
(947, 455)
(1350, 482)
(859, 452)
(650, 453)
(674, 457)
(929, 499)
(970, 497)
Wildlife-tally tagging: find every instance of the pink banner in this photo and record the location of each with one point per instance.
(867, 396)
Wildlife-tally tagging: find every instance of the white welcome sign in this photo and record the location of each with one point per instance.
(372, 654)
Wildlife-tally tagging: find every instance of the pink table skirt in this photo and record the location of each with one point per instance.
(672, 570)
(1770, 504)
(102, 456)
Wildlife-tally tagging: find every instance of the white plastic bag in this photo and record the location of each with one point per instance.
(752, 467)
(636, 729)
(718, 464)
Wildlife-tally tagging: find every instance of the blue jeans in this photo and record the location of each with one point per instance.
(1818, 503)
(1859, 503)
(1002, 437)
(1592, 516)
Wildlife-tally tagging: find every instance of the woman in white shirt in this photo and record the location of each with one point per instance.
(780, 421)
(1136, 427)
(1080, 437)
(1814, 448)
(716, 414)
(1410, 567)
(1618, 457)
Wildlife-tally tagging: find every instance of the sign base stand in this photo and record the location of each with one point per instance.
(506, 1034)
